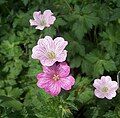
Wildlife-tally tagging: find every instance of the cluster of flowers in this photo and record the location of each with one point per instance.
(51, 53)
(56, 72)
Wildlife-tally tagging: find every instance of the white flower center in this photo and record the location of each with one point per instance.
(42, 22)
(56, 77)
(105, 89)
(51, 55)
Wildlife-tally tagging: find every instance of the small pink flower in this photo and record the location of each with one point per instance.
(48, 51)
(54, 78)
(105, 87)
(42, 20)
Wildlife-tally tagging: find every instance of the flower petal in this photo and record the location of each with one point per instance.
(62, 56)
(67, 83)
(63, 70)
(97, 83)
(33, 22)
(38, 52)
(49, 70)
(106, 79)
(113, 85)
(47, 43)
(40, 27)
(36, 15)
(46, 61)
(99, 94)
(60, 44)
(110, 95)
(43, 82)
(53, 89)
(47, 13)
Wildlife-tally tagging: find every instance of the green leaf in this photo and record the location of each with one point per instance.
(11, 102)
(98, 68)
(25, 2)
(109, 65)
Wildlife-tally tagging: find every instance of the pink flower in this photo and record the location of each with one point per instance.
(48, 51)
(54, 78)
(105, 87)
(42, 20)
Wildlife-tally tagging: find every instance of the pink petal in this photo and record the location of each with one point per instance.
(60, 44)
(40, 27)
(110, 95)
(46, 61)
(43, 75)
(47, 43)
(36, 15)
(113, 85)
(99, 94)
(67, 83)
(43, 82)
(47, 13)
(49, 70)
(52, 20)
(97, 83)
(53, 89)
(63, 69)
(38, 52)
(106, 79)
(33, 22)
(62, 56)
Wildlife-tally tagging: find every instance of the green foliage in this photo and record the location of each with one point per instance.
(92, 28)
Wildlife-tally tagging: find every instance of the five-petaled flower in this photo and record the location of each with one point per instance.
(54, 78)
(49, 51)
(105, 87)
(42, 20)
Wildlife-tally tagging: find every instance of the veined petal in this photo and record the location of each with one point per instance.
(67, 83)
(62, 56)
(63, 70)
(110, 95)
(47, 13)
(106, 79)
(36, 15)
(99, 94)
(53, 89)
(60, 44)
(45, 61)
(97, 83)
(43, 82)
(40, 27)
(33, 22)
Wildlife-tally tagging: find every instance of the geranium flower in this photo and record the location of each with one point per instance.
(42, 20)
(105, 87)
(54, 78)
(48, 51)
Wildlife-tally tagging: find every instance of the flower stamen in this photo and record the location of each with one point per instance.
(105, 89)
(56, 77)
(51, 55)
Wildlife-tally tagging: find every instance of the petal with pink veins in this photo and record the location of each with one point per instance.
(67, 83)
(63, 70)
(60, 44)
(99, 94)
(53, 89)
(36, 15)
(33, 22)
(43, 82)
(62, 56)
(110, 95)
(47, 13)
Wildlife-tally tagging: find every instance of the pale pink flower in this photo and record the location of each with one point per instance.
(42, 20)
(105, 87)
(48, 51)
(54, 78)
